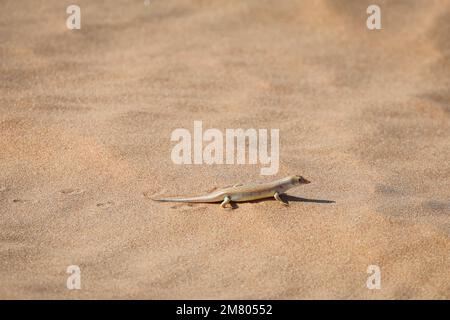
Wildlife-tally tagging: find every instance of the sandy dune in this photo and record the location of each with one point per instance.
(85, 123)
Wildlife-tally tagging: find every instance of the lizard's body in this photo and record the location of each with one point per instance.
(240, 193)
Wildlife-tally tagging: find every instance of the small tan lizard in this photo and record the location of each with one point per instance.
(241, 193)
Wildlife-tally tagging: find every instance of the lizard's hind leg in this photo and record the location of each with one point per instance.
(277, 196)
(226, 200)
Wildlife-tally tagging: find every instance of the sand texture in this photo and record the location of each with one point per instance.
(85, 123)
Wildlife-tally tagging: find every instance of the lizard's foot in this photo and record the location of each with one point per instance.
(226, 201)
(278, 198)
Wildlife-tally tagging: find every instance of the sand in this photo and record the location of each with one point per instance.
(85, 123)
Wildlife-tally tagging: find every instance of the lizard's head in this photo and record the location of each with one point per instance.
(300, 180)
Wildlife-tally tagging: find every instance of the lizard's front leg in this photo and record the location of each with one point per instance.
(226, 200)
(277, 197)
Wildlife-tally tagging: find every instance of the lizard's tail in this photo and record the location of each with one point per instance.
(193, 199)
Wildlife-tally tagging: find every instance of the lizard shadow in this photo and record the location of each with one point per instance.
(299, 199)
(288, 199)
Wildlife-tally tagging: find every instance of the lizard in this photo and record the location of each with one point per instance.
(242, 193)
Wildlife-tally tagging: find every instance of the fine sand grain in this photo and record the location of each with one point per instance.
(85, 123)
